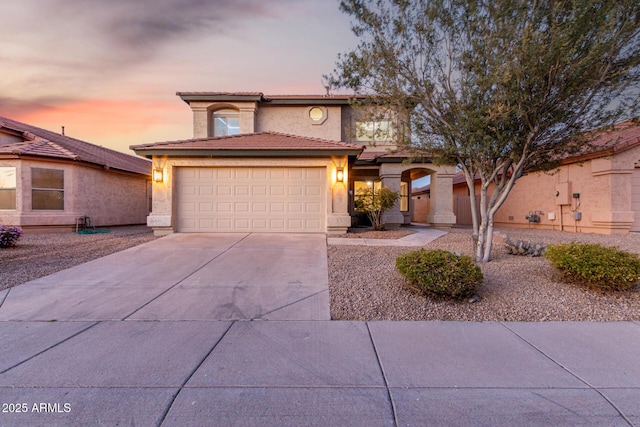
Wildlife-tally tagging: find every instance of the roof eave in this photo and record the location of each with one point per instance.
(147, 152)
(308, 101)
(188, 98)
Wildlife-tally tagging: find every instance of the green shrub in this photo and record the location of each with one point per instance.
(440, 272)
(9, 235)
(595, 265)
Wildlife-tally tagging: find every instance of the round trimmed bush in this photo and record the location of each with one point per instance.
(440, 272)
(595, 266)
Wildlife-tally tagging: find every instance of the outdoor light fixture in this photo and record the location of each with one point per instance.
(158, 175)
(340, 175)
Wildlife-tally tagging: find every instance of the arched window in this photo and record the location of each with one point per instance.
(226, 122)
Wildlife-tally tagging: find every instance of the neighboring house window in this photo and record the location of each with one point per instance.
(226, 122)
(47, 189)
(373, 131)
(7, 188)
(404, 196)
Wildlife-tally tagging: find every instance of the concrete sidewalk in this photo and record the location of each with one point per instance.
(152, 336)
(299, 373)
(421, 237)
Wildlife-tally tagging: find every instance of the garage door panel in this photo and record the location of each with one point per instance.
(276, 190)
(223, 173)
(276, 207)
(313, 207)
(259, 190)
(251, 199)
(205, 207)
(259, 207)
(224, 190)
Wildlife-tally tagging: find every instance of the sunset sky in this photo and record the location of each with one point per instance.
(108, 70)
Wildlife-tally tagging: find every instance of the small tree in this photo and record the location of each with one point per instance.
(375, 203)
(495, 87)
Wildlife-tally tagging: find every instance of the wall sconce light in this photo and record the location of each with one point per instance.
(158, 175)
(340, 175)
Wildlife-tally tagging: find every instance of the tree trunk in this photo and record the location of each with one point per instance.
(483, 226)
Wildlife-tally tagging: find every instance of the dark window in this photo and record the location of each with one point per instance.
(47, 189)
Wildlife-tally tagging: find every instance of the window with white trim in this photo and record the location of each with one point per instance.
(226, 122)
(7, 188)
(47, 189)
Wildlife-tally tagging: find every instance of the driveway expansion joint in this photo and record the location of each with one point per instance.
(50, 347)
(570, 372)
(184, 278)
(384, 377)
(193, 371)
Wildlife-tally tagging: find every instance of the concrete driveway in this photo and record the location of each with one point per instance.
(230, 276)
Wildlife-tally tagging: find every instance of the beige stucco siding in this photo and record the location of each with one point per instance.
(109, 198)
(606, 199)
(294, 120)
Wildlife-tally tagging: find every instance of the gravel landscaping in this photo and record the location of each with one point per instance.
(41, 254)
(364, 284)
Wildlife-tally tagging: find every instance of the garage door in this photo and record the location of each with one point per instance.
(635, 199)
(251, 199)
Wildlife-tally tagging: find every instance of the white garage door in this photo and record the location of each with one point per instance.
(251, 199)
(635, 199)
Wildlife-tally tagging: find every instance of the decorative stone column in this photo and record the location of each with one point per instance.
(391, 174)
(441, 202)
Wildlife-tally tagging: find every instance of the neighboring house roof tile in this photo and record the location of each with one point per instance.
(43, 143)
(616, 139)
(262, 141)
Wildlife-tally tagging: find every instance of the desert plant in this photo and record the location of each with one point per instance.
(375, 203)
(594, 265)
(440, 272)
(524, 247)
(9, 235)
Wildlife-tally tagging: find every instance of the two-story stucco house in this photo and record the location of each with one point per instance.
(261, 163)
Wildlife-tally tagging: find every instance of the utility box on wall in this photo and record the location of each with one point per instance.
(563, 193)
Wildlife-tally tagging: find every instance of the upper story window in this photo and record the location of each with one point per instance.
(7, 188)
(47, 189)
(226, 122)
(373, 131)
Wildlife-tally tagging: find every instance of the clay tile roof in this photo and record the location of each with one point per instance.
(621, 137)
(370, 156)
(262, 141)
(43, 143)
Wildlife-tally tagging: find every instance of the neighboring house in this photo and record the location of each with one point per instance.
(281, 163)
(50, 180)
(597, 192)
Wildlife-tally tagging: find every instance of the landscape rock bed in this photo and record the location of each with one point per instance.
(364, 284)
(40, 254)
